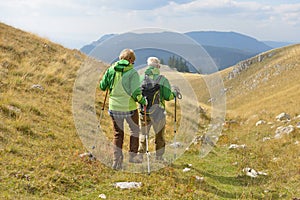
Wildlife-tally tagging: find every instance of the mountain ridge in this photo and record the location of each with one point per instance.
(225, 53)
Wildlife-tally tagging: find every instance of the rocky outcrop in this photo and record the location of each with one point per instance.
(283, 117)
(283, 130)
(244, 65)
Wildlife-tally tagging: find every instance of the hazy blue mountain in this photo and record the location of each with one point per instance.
(227, 57)
(275, 44)
(225, 48)
(229, 40)
(88, 48)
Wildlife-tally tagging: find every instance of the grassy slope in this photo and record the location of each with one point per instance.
(39, 147)
(261, 92)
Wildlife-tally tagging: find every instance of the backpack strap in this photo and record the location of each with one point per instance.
(158, 79)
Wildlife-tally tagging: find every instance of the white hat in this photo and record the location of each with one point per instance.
(153, 61)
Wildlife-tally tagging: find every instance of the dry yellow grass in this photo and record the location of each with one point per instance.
(39, 145)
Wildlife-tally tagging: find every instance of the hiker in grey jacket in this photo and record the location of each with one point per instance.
(158, 121)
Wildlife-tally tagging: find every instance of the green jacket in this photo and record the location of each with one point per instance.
(166, 93)
(122, 81)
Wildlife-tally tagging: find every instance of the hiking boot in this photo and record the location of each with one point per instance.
(140, 156)
(117, 163)
(160, 159)
(134, 158)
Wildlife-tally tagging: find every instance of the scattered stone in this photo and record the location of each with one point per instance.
(252, 172)
(199, 178)
(273, 126)
(102, 196)
(89, 155)
(39, 87)
(283, 117)
(236, 146)
(13, 109)
(266, 138)
(186, 169)
(260, 122)
(275, 159)
(283, 130)
(298, 125)
(128, 185)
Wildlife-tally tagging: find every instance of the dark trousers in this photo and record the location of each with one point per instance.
(159, 129)
(118, 123)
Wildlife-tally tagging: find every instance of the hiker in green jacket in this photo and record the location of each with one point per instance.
(158, 119)
(122, 81)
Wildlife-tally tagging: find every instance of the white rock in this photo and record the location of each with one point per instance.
(37, 87)
(283, 130)
(266, 138)
(235, 163)
(275, 159)
(236, 146)
(128, 185)
(13, 108)
(260, 122)
(262, 173)
(252, 172)
(297, 117)
(186, 169)
(88, 154)
(283, 117)
(199, 178)
(102, 196)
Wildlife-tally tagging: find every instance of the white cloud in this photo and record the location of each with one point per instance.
(87, 20)
(289, 13)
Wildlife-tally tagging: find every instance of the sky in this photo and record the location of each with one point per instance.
(75, 23)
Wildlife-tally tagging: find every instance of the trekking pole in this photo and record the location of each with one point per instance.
(103, 106)
(175, 113)
(101, 114)
(147, 147)
(179, 96)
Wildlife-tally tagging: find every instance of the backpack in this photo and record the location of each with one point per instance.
(151, 90)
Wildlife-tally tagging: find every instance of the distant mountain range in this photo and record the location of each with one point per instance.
(225, 48)
(275, 44)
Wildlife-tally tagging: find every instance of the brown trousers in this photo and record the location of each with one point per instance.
(159, 130)
(118, 123)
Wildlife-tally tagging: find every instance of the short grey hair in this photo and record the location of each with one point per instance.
(153, 61)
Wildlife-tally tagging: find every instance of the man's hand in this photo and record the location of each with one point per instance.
(144, 101)
(176, 92)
